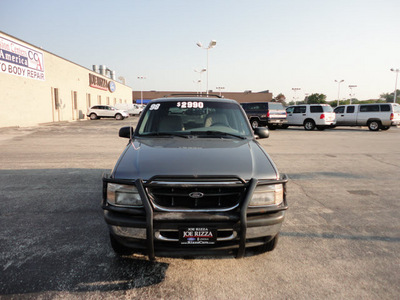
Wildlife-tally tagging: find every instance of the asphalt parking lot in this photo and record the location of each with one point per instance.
(340, 239)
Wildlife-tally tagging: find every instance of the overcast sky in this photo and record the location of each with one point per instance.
(261, 44)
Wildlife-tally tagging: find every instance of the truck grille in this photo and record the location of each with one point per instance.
(201, 197)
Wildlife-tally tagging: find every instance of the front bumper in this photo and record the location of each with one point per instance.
(156, 233)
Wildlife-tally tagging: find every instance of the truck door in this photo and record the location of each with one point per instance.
(339, 111)
(350, 116)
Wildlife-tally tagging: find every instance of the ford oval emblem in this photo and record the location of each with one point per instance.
(196, 195)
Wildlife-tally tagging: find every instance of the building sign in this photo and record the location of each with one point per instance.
(101, 83)
(111, 86)
(20, 59)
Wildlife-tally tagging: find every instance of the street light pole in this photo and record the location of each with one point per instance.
(210, 46)
(141, 89)
(306, 97)
(220, 88)
(295, 94)
(395, 85)
(199, 81)
(338, 94)
(351, 86)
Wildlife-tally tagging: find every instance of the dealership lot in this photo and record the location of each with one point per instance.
(340, 238)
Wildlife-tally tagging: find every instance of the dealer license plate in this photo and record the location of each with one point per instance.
(197, 236)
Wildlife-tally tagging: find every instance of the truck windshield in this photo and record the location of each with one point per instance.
(192, 117)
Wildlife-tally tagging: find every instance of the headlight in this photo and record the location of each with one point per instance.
(121, 194)
(271, 194)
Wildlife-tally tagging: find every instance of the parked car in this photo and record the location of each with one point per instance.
(106, 111)
(193, 180)
(271, 114)
(132, 109)
(376, 115)
(310, 116)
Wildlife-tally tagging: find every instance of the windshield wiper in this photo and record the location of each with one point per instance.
(217, 134)
(172, 134)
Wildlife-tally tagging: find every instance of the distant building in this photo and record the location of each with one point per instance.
(37, 86)
(246, 96)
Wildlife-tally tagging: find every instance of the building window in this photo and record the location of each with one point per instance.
(98, 99)
(108, 100)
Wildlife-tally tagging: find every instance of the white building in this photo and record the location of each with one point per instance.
(37, 86)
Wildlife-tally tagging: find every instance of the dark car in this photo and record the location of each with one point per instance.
(271, 114)
(193, 180)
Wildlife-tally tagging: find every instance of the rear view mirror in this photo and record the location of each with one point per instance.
(126, 132)
(261, 132)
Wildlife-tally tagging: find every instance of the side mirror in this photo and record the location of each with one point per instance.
(261, 132)
(126, 132)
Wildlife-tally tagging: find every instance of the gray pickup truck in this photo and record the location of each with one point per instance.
(376, 116)
(193, 180)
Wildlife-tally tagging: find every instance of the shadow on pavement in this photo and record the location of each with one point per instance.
(54, 238)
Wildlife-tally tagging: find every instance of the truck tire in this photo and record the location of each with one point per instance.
(254, 123)
(118, 248)
(271, 245)
(309, 124)
(374, 125)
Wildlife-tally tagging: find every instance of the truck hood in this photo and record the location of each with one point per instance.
(147, 157)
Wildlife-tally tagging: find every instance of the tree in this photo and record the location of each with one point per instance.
(281, 98)
(316, 99)
(389, 96)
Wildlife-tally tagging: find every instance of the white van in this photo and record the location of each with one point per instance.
(375, 115)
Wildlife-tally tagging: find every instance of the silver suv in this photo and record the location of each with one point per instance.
(106, 111)
(311, 116)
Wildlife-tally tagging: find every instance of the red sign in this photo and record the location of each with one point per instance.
(98, 82)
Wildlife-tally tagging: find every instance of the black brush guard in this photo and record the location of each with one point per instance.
(240, 215)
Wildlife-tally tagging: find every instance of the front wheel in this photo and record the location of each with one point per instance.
(93, 116)
(119, 117)
(271, 245)
(119, 248)
(374, 125)
(309, 125)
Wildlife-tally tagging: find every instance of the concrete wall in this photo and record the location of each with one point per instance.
(25, 101)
